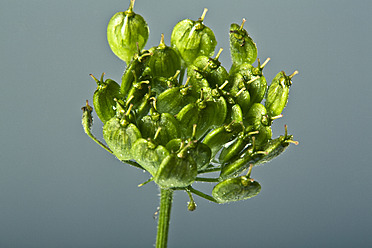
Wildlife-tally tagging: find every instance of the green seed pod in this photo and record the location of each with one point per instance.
(161, 84)
(257, 116)
(133, 72)
(204, 113)
(103, 98)
(264, 135)
(233, 150)
(236, 113)
(196, 80)
(274, 148)
(236, 166)
(243, 99)
(211, 69)
(165, 61)
(175, 145)
(242, 47)
(148, 154)
(220, 136)
(174, 99)
(257, 85)
(160, 127)
(193, 39)
(236, 189)
(201, 154)
(120, 137)
(125, 31)
(137, 92)
(277, 94)
(143, 107)
(176, 171)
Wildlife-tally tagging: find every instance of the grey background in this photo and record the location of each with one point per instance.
(59, 189)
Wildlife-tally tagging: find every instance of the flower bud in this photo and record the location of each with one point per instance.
(127, 32)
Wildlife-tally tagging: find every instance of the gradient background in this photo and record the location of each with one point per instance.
(59, 189)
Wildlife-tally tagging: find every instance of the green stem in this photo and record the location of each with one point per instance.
(166, 197)
(201, 194)
(207, 179)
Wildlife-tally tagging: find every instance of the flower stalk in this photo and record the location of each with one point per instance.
(166, 198)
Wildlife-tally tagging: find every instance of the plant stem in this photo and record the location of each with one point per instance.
(166, 197)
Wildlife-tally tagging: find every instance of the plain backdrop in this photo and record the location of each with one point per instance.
(59, 189)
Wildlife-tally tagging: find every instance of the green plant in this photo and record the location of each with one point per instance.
(176, 130)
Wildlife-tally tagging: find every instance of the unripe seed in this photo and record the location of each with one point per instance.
(133, 72)
(211, 69)
(174, 99)
(127, 32)
(148, 154)
(277, 94)
(103, 98)
(120, 137)
(236, 189)
(204, 113)
(242, 47)
(220, 136)
(274, 148)
(165, 61)
(162, 127)
(176, 170)
(193, 39)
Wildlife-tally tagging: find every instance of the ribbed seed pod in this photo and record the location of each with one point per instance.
(164, 61)
(149, 155)
(256, 84)
(211, 69)
(176, 170)
(193, 39)
(133, 72)
(242, 47)
(161, 84)
(274, 148)
(161, 127)
(103, 98)
(204, 113)
(277, 94)
(200, 153)
(236, 166)
(196, 80)
(220, 136)
(127, 32)
(257, 116)
(174, 99)
(236, 189)
(120, 137)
